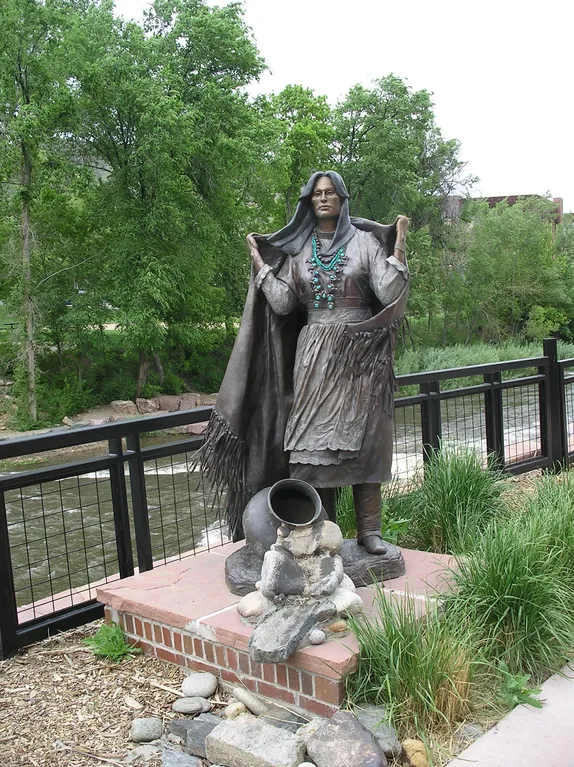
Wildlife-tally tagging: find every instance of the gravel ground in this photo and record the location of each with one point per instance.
(61, 706)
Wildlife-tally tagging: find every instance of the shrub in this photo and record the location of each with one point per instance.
(423, 669)
(455, 502)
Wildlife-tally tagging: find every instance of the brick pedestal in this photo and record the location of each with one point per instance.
(182, 612)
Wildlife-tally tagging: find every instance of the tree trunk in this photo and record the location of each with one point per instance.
(159, 368)
(28, 304)
(142, 374)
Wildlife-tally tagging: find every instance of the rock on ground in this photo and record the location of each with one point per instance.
(343, 741)
(374, 718)
(194, 731)
(250, 742)
(145, 729)
(171, 758)
(191, 705)
(415, 753)
(235, 709)
(250, 701)
(199, 684)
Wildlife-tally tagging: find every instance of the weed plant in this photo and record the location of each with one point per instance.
(109, 642)
(455, 502)
(423, 669)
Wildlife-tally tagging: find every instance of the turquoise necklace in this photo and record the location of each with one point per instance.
(333, 270)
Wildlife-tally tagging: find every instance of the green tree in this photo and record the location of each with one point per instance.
(162, 111)
(511, 268)
(392, 155)
(35, 110)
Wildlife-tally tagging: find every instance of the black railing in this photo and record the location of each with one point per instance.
(65, 529)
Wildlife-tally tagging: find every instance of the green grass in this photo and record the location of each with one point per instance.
(508, 624)
(424, 670)
(461, 355)
(456, 500)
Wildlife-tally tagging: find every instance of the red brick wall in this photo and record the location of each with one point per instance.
(282, 682)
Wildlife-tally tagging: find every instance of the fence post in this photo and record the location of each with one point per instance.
(120, 506)
(493, 414)
(8, 608)
(430, 418)
(139, 503)
(553, 408)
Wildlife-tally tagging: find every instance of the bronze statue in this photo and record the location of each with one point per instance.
(308, 391)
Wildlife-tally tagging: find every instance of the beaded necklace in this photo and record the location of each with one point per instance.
(333, 269)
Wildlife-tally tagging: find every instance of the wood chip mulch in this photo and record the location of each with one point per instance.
(61, 706)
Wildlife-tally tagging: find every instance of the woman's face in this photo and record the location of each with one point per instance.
(326, 202)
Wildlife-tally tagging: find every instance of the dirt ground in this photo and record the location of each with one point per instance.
(61, 706)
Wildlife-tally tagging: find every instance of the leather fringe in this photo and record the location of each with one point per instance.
(223, 460)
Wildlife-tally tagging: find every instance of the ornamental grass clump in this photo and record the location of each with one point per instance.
(455, 503)
(422, 668)
(513, 589)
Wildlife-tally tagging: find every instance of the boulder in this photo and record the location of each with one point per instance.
(124, 406)
(243, 571)
(343, 741)
(415, 753)
(194, 731)
(191, 705)
(169, 402)
(196, 428)
(171, 758)
(145, 729)
(250, 742)
(147, 405)
(199, 684)
(375, 719)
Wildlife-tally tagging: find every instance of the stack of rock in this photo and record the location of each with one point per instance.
(303, 586)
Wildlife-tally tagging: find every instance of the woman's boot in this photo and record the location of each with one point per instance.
(368, 503)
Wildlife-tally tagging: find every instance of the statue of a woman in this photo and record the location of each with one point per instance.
(308, 391)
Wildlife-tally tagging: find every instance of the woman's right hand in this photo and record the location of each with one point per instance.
(258, 262)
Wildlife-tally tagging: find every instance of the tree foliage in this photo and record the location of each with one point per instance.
(133, 162)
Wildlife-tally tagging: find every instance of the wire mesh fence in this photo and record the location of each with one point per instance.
(65, 529)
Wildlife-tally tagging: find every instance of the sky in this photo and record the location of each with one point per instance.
(501, 73)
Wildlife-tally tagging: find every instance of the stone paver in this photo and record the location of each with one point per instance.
(529, 737)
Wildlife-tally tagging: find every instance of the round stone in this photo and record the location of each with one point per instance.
(191, 705)
(199, 684)
(146, 729)
(235, 709)
(317, 636)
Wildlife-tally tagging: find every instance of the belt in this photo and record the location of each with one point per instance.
(340, 303)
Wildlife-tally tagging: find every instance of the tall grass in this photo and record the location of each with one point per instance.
(423, 669)
(455, 502)
(517, 584)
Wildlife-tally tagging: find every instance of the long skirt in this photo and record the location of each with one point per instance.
(340, 428)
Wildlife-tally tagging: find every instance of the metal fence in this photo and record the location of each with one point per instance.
(65, 529)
